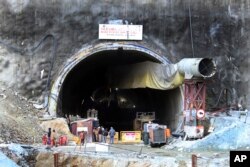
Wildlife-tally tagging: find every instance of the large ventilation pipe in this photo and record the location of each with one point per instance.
(197, 67)
(160, 76)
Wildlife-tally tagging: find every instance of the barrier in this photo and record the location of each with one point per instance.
(194, 160)
(131, 136)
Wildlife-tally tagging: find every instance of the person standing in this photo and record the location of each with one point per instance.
(81, 135)
(68, 119)
(100, 132)
(105, 134)
(49, 136)
(112, 135)
(94, 136)
(53, 138)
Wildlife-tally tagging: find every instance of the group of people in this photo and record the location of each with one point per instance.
(100, 134)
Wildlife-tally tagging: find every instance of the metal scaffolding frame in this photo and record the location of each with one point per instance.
(194, 94)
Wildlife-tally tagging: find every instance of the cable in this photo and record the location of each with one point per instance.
(53, 57)
(15, 49)
(190, 25)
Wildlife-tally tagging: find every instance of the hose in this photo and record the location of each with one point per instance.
(53, 58)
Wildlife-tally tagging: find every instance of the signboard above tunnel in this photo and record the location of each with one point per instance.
(120, 32)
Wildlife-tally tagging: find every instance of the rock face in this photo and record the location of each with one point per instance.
(219, 30)
(59, 125)
(19, 120)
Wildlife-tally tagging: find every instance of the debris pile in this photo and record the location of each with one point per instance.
(233, 137)
(230, 132)
(12, 155)
(18, 119)
(5, 161)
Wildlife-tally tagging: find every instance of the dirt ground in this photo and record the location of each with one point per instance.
(137, 155)
(19, 121)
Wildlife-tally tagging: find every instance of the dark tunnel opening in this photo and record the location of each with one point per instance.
(85, 88)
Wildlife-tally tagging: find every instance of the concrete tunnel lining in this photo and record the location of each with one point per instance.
(81, 76)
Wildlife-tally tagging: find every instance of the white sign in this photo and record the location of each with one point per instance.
(200, 114)
(121, 32)
(80, 129)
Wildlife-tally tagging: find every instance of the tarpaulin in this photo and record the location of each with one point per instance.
(145, 75)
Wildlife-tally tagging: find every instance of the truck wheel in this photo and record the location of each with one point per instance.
(152, 144)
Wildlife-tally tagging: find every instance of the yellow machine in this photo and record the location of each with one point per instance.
(141, 118)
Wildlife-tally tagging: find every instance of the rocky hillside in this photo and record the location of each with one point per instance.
(36, 37)
(19, 121)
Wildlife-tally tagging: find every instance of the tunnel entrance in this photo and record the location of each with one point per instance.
(85, 87)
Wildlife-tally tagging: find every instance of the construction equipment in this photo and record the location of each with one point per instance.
(85, 125)
(141, 118)
(157, 134)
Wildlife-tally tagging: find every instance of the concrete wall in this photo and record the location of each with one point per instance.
(219, 27)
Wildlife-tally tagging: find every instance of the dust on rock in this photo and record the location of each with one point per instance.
(19, 120)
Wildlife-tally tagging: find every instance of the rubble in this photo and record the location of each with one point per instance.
(59, 124)
(230, 132)
(18, 120)
(5, 161)
(235, 136)
(17, 155)
(2, 96)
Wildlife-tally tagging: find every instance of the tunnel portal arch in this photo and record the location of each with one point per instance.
(99, 56)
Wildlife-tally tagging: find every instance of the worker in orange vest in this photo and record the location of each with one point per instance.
(45, 139)
(53, 138)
